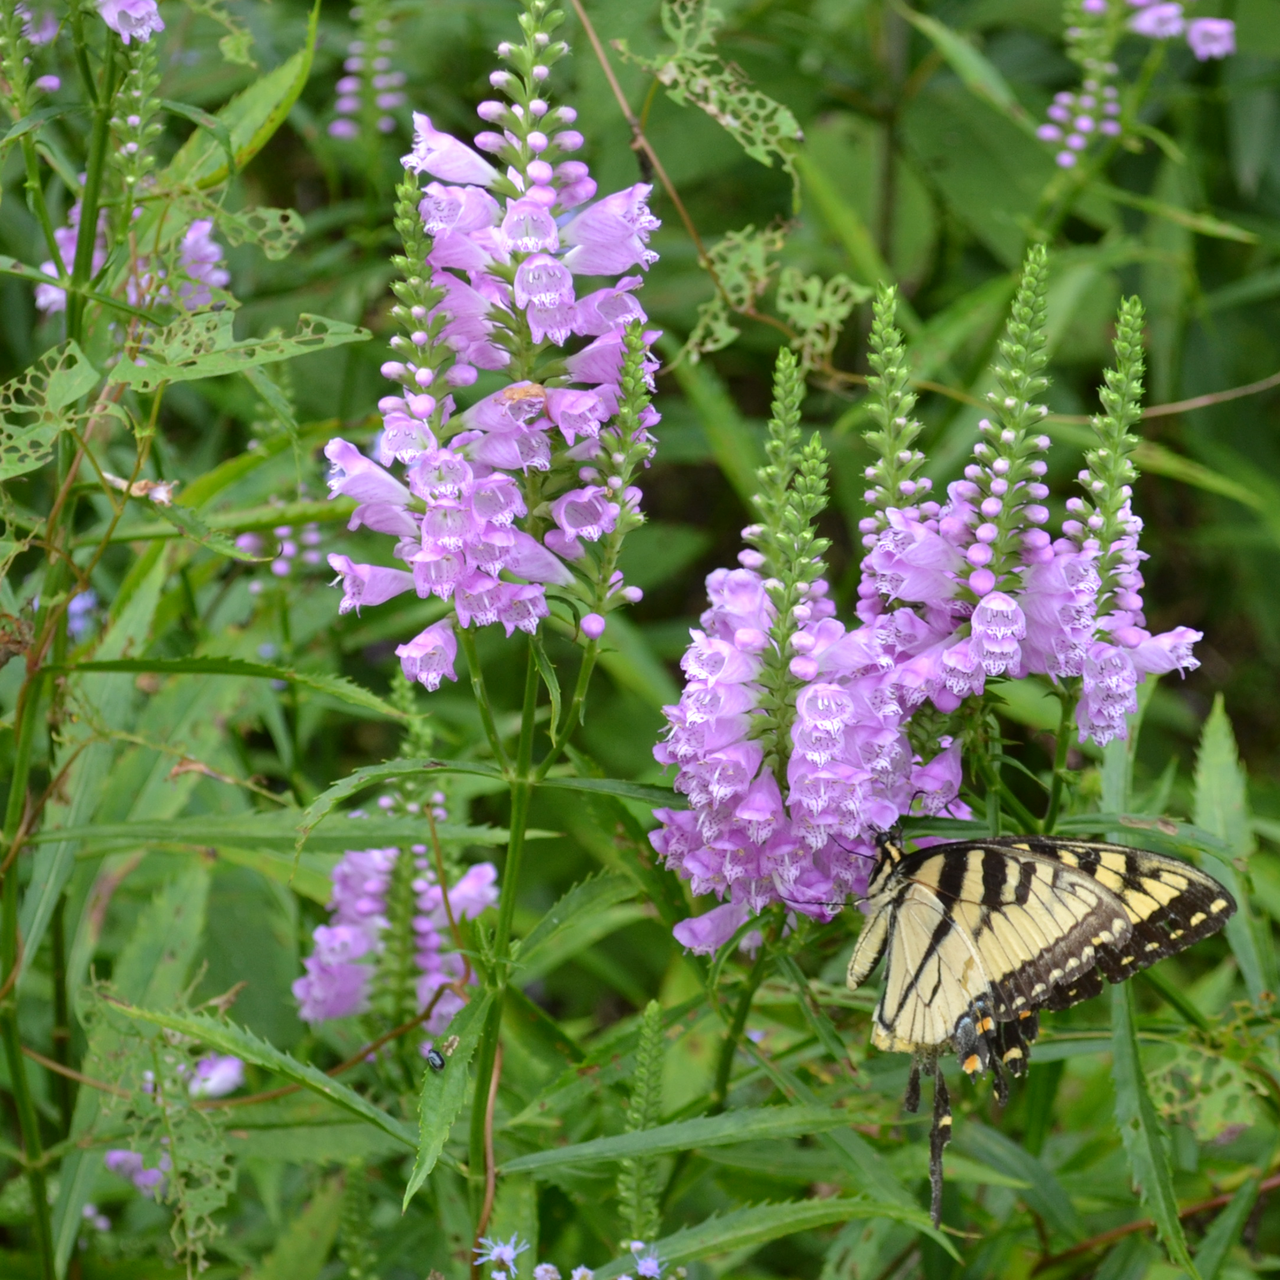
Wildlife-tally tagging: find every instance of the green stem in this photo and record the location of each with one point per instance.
(467, 641)
(1068, 698)
(64, 1088)
(521, 795)
(24, 1104)
(996, 785)
(91, 201)
(82, 56)
(564, 731)
(36, 200)
(733, 1035)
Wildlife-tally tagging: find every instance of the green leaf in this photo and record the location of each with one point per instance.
(445, 1092)
(1140, 1130)
(250, 119)
(734, 448)
(1202, 223)
(216, 128)
(752, 1227)
(359, 779)
(203, 345)
(1222, 808)
(32, 407)
(979, 75)
(151, 971)
(193, 526)
(1225, 1231)
(822, 1026)
(624, 790)
(576, 921)
(685, 1135)
(1043, 1194)
(226, 1037)
(303, 1247)
(332, 686)
(309, 881)
(274, 830)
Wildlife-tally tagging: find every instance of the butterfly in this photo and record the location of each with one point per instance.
(978, 936)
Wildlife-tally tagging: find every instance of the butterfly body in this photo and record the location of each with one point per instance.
(979, 936)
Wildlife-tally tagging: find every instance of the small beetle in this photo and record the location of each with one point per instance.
(435, 1060)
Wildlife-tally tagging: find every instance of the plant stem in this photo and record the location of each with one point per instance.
(468, 643)
(487, 1055)
(729, 1048)
(1068, 698)
(997, 787)
(91, 200)
(61, 1034)
(564, 731)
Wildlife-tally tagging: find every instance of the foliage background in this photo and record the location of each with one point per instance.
(902, 156)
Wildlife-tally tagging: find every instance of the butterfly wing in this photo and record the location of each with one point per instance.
(1169, 904)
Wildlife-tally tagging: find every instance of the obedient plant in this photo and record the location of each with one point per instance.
(793, 738)
(500, 500)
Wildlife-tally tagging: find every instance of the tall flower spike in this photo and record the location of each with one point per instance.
(490, 517)
(1106, 530)
(892, 478)
(370, 87)
(1082, 119)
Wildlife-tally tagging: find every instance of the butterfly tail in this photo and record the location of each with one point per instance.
(939, 1136)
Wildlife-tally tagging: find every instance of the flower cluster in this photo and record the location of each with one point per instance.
(502, 501)
(370, 88)
(216, 1075)
(1079, 119)
(338, 983)
(1161, 20)
(290, 545)
(793, 738)
(200, 268)
(502, 1255)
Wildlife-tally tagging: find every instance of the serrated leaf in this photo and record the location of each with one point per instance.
(444, 1092)
(580, 918)
(359, 779)
(1226, 1230)
(619, 787)
(742, 1125)
(333, 686)
(203, 345)
(749, 1228)
(1042, 1193)
(1222, 809)
(226, 1037)
(276, 831)
(1140, 1130)
(191, 524)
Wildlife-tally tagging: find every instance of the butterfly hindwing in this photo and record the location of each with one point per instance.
(1170, 905)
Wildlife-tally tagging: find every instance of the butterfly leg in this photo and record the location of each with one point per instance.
(939, 1136)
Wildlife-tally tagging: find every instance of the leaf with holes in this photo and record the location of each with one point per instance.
(33, 407)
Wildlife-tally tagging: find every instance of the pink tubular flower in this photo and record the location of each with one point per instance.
(429, 657)
(1158, 21)
(443, 156)
(585, 513)
(704, 935)
(367, 583)
(1211, 37)
(612, 234)
(131, 19)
